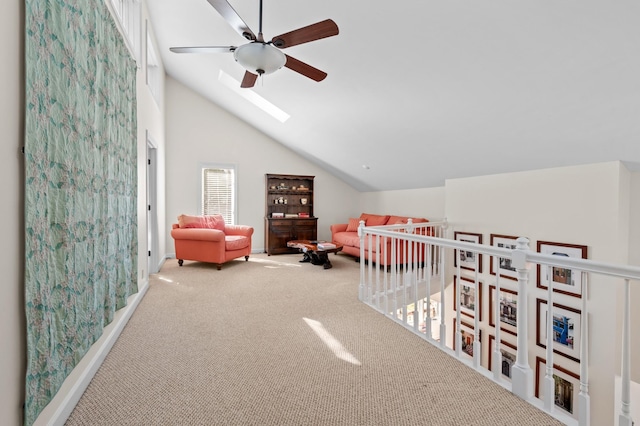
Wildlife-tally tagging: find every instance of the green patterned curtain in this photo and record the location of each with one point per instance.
(81, 183)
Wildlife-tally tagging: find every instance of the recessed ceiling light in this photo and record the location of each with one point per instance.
(253, 97)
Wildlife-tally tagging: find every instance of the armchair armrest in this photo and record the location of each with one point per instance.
(197, 234)
(244, 230)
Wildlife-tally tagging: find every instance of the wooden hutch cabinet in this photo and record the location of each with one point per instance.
(288, 212)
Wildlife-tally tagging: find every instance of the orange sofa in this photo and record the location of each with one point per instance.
(347, 234)
(208, 239)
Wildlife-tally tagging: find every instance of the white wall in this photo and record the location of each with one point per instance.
(12, 327)
(586, 205)
(151, 124)
(199, 131)
(424, 202)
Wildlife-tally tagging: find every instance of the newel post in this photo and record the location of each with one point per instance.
(522, 376)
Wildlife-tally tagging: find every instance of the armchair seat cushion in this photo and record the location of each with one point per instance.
(236, 242)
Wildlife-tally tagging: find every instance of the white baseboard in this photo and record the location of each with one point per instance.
(62, 405)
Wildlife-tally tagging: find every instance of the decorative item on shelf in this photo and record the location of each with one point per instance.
(273, 187)
(303, 214)
(277, 215)
(285, 201)
(302, 188)
(303, 200)
(293, 188)
(290, 215)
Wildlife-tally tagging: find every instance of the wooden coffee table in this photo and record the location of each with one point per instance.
(313, 254)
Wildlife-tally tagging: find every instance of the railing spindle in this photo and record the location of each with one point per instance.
(625, 414)
(443, 327)
(477, 347)
(549, 383)
(427, 321)
(497, 354)
(584, 401)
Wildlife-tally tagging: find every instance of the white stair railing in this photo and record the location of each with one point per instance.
(403, 266)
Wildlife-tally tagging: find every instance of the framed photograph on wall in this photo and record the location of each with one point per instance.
(508, 300)
(508, 351)
(468, 337)
(566, 387)
(566, 329)
(502, 265)
(469, 297)
(564, 280)
(468, 258)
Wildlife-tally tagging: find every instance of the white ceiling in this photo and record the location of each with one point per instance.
(424, 90)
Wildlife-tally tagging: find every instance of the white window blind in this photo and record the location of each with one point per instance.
(218, 193)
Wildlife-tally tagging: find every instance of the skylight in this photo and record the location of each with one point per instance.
(253, 97)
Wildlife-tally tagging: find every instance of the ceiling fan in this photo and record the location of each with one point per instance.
(261, 57)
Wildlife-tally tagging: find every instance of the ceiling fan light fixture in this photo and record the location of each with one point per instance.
(259, 58)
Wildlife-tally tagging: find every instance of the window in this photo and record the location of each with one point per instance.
(219, 192)
(154, 72)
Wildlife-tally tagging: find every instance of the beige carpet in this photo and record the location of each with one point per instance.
(232, 347)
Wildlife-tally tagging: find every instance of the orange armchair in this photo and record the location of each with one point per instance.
(209, 239)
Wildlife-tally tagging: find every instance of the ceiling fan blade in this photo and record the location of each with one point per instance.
(249, 79)
(322, 29)
(305, 69)
(203, 49)
(231, 16)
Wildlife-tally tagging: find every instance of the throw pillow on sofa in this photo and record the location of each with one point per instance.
(353, 224)
(374, 219)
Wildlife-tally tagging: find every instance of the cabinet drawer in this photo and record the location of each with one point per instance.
(305, 223)
(281, 223)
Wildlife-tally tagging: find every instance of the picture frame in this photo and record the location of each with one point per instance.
(467, 259)
(567, 387)
(469, 295)
(564, 280)
(468, 337)
(508, 350)
(567, 322)
(501, 265)
(508, 300)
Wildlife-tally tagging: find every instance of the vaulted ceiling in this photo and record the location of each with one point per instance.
(423, 91)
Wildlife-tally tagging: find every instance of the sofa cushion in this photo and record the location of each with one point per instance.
(215, 221)
(347, 238)
(353, 224)
(374, 219)
(235, 242)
